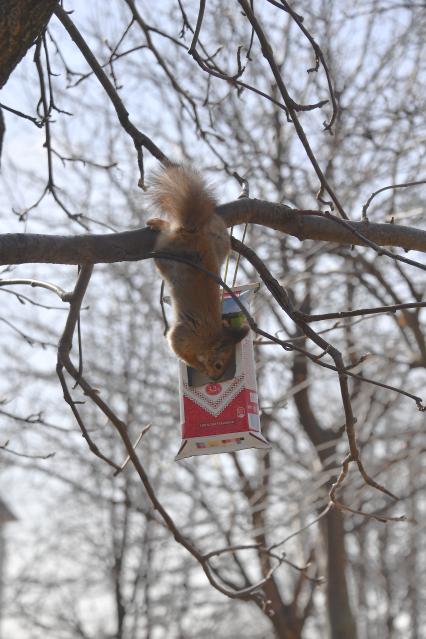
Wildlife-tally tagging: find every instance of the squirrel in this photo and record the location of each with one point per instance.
(198, 334)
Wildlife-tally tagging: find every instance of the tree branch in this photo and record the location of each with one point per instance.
(140, 140)
(25, 248)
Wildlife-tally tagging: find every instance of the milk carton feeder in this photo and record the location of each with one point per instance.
(222, 416)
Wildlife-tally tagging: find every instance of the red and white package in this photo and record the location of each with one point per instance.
(222, 416)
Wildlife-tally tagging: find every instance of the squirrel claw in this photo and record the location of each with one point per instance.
(157, 224)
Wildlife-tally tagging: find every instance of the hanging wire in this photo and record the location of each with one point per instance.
(244, 194)
(225, 275)
(238, 255)
(163, 311)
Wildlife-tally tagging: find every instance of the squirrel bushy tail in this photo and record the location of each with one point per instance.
(183, 195)
(197, 335)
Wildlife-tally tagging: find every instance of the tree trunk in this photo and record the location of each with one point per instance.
(285, 621)
(341, 620)
(21, 21)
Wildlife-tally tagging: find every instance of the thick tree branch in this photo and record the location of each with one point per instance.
(24, 248)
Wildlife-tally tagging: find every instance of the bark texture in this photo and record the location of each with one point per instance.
(26, 248)
(21, 21)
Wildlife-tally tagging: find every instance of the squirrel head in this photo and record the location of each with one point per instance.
(216, 356)
(210, 356)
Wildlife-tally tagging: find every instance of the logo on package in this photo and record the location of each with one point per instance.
(213, 389)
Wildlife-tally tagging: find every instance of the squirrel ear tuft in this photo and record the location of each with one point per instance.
(233, 335)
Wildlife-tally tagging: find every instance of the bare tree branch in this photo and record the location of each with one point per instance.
(24, 248)
(140, 140)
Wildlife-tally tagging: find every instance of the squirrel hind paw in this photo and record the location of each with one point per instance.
(157, 224)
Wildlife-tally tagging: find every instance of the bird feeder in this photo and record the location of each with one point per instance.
(222, 416)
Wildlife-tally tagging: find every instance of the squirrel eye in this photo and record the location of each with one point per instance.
(218, 366)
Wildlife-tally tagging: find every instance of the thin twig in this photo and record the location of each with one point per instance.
(380, 250)
(300, 530)
(289, 103)
(319, 57)
(63, 295)
(163, 310)
(283, 300)
(64, 348)
(197, 27)
(386, 188)
(6, 448)
(140, 140)
(135, 445)
(393, 308)
(38, 122)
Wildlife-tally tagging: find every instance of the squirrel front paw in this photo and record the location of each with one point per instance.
(157, 224)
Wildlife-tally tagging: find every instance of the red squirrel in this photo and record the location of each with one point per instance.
(198, 334)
